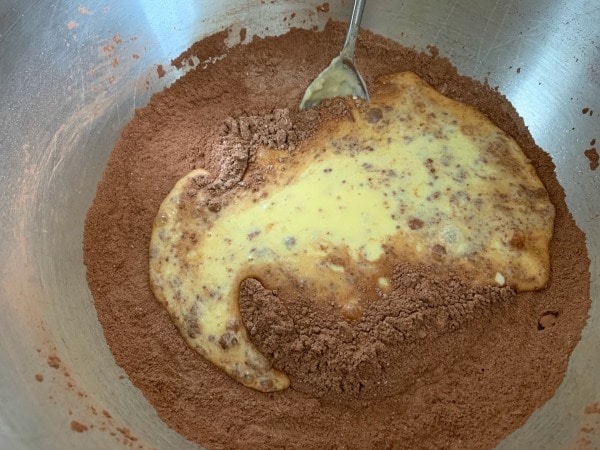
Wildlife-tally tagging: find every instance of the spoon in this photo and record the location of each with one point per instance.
(340, 78)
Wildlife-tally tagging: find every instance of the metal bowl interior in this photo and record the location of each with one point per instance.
(65, 101)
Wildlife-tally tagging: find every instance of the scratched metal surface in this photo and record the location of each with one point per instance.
(64, 101)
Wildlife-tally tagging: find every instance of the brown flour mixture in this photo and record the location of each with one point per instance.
(436, 364)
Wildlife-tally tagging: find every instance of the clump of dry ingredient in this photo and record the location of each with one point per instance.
(592, 155)
(54, 361)
(78, 426)
(244, 133)
(469, 370)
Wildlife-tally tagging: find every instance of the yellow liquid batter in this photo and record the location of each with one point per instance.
(415, 178)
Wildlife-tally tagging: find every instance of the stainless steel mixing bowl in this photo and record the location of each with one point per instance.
(65, 96)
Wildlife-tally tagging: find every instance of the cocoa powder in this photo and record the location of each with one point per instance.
(78, 426)
(396, 340)
(592, 155)
(436, 364)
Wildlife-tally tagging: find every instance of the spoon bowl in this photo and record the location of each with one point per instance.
(340, 78)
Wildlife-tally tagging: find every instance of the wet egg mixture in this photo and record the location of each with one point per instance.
(414, 177)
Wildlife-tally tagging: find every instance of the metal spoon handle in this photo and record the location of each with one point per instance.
(350, 44)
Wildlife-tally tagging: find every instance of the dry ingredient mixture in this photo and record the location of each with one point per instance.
(436, 364)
